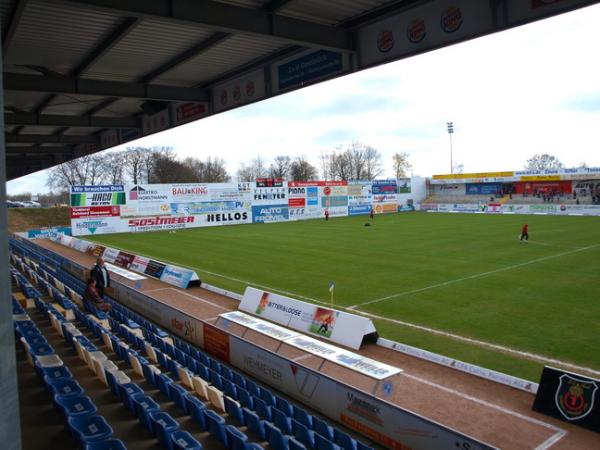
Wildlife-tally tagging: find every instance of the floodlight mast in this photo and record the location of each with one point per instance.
(450, 133)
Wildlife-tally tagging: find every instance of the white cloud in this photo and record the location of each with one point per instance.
(510, 95)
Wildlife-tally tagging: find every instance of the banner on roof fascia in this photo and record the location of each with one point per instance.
(519, 12)
(338, 326)
(309, 67)
(416, 30)
(153, 123)
(239, 91)
(188, 112)
(110, 138)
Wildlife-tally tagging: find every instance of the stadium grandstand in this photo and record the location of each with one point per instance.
(167, 360)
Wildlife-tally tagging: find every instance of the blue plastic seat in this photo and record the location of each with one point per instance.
(149, 374)
(267, 396)
(245, 398)
(296, 445)
(321, 427)
(281, 421)
(216, 425)
(229, 389)
(216, 380)
(284, 406)
(303, 417)
(234, 410)
(106, 444)
(126, 392)
(303, 434)
(344, 440)
(203, 372)
(239, 379)
(178, 395)
(262, 409)
(236, 439)
(254, 424)
(182, 440)
(145, 405)
(174, 368)
(64, 387)
(54, 373)
(76, 405)
(163, 382)
(277, 440)
(196, 408)
(163, 425)
(227, 373)
(89, 429)
(215, 365)
(361, 446)
(322, 443)
(252, 388)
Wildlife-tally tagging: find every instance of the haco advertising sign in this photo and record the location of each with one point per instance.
(97, 195)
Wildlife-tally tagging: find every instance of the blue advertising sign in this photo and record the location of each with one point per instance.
(308, 68)
(270, 213)
(103, 188)
(48, 232)
(312, 196)
(384, 187)
(483, 188)
(359, 210)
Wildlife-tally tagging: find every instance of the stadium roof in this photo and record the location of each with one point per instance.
(85, 75)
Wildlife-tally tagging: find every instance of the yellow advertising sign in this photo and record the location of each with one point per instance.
(542, 178)
(459, 176)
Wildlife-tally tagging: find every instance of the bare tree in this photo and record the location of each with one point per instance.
(133, 163)
(302, 170)
(81, 171)
(325, 161)
(372, 167)
(280, 167)
(215, 171)
(253, 170)
(401, 164)
(543, 161)
(166, 169)
(113, 166)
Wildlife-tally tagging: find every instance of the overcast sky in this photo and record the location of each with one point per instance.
(533, 89)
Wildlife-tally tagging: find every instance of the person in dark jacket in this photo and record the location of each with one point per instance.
(100, 274)
(91, 295)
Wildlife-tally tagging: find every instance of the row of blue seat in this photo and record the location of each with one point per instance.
(270, 409)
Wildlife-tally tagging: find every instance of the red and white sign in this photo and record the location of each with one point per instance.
(160, 223)
(95, 211)
(188, 112)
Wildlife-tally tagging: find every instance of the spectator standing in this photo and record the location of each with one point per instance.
(100, 274)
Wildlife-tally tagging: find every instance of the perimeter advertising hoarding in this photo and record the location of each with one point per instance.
(270, 201)
(337, 326)
(385, 196)
(360, 198)
(333, 197)
(98, 225)
(303, 200)
(415, 30)
(384, 423)
(177, 276)
(97, 195)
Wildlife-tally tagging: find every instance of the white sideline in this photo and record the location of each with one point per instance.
(559, 432)
(471, 277)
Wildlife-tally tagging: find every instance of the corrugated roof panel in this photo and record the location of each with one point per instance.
(122, 107)
(228, 55)
(25, 101)
(82, 131)
(149, 45)
(72, 104)
(256, 4)
(57, 36)
(6, 9)
(329, 12)
(39, 129)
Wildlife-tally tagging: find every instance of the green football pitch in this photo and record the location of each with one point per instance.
(457, 284)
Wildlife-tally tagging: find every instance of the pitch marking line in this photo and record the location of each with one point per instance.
(472, 277)
(522, 354)
(559, 432)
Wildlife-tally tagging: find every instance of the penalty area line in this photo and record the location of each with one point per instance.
(472, 277)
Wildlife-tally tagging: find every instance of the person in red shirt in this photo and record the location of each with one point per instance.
(91, 295)
(525, 233)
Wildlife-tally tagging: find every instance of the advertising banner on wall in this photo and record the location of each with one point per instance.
(270, 201)
(415, 30)
(385, 196)
(240, 91)
(303, 200)
(333, 197)
(100, 225)
(360, 198)
(341, 327)
(95, 211)
(107, 195)
(309, 67)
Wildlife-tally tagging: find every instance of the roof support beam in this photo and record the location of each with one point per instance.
(15, 18)
(72, 85)
(275, 5)
(69, 121)
(38, 150)
(49, 139)
(190, 53)
(231, 19)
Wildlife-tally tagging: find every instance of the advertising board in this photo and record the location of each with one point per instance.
(337, 326)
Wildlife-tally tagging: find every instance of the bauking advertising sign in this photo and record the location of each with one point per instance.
(337, 326)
